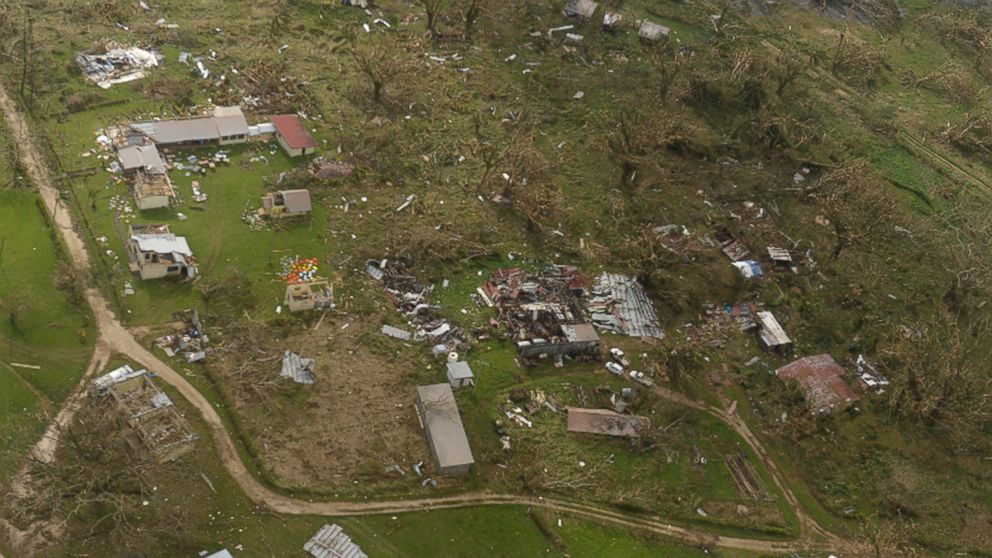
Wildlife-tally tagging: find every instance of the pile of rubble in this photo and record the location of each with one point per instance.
(117, 64)
(542, 312)
(411, 297)
(189, 340)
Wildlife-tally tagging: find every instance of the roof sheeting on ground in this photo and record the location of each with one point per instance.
(291, 128)
(299, 369)
(607, 423)
(623, 299)
(396, 332)
(822, 382)
(771, 331)
(581, 8)
(332, 542)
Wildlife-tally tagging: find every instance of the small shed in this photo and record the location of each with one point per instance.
(293, 136)
(438, 414)
(580, 8)
(771, 332)
(460, 375)
(286, 203)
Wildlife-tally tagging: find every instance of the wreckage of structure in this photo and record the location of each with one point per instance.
(411, 299)
(189, 339)
(312, 295)
(147, 411)
(822, 382)
(117, 64)
(619, 304)
(154, 252)
(606, 423)
(543, 313)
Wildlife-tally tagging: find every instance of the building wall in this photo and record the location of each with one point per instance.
(151, 202)
(289, 150)
(234, 140)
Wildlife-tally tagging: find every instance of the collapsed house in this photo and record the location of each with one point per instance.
(147, 411)
(542, 312)
(619, 304)
(189, 339)
(284, 204)
(117, 64)
(322, 169)
(332, 542)
(438, 414)
(822, 382)
(293, 136)
(411, 299)
(607, 423)
(310, 295)
(154, 252)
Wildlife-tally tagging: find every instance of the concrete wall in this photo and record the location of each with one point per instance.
(290, 151)
(151, 202)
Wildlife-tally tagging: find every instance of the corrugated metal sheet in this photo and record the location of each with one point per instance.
(332, 542)
(162, 244)
(620, 304)
(298, 368)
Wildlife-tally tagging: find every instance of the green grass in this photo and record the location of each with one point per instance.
(46, 331)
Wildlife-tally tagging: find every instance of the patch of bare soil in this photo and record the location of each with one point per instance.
(342, 431)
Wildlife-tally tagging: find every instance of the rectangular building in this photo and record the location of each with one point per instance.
(442, 424)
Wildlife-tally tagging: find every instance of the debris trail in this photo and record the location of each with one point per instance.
(114, 337)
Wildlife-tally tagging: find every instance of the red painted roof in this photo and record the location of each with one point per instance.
(291, 128)
(821, 379)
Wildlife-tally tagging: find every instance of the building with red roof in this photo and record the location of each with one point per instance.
(822, 381)
(293, 136)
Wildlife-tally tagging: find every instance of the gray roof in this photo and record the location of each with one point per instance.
(162, 244)
(652, 31)
(632, 310)
(582, 8)
(459, 370)
(231, 121)
(141, 156)
(332, 542)
(298, 368)
(439, 413)
(297, 200)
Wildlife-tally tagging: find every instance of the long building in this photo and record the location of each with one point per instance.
(442, 424)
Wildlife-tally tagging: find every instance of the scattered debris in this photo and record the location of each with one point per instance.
(748, 268)
(189, 340)
(322, 169)
(869, 375)
(331, 541)
(748, 482)
(581, 8)
(396, 333)
(770, 332)
(154, 252)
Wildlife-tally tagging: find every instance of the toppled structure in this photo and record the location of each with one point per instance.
(581, 8)
(438, 414)
(607, 423)
(283, 204)
(189, 340)
(297, 368)
(310, 295)
(411, 299)
(619, 304)
(542, 312)
(117, 64)
(822, 382)
(154, 252)
(147, 411)
(332, 542)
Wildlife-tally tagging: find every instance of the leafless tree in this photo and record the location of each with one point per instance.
(377, 65)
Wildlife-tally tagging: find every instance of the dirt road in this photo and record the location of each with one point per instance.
(114, 337)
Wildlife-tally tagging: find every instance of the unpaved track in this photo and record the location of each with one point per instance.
(114, 337)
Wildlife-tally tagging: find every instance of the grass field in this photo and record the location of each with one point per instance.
(39, 327)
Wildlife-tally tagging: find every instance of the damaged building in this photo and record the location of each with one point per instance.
(189, 340)
(311, 295)
(607, 423)
(543, 313)
(147, 411)
(146, 175)
(154, 252)
(822, 382)
(117, 64)
(284, 204)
